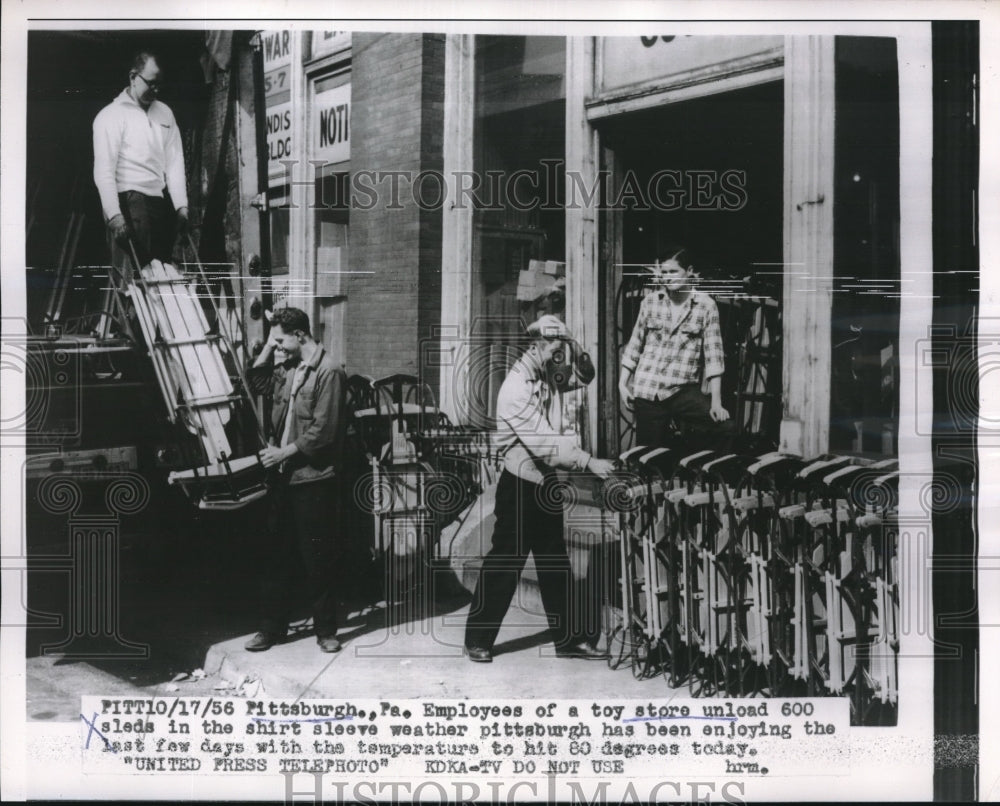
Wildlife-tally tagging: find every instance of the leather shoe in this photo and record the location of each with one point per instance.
(478, 654)
(581, 650)
(329, 643)
(262, 642)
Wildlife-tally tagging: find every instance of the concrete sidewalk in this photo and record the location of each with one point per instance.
(199, 612)
(393, 653)
(423, 658)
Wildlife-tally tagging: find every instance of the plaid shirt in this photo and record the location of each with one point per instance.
(668, 351)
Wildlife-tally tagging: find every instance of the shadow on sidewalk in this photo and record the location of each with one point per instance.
(189, 580)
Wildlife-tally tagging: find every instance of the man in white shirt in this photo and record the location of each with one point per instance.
(137, 156)
(528, 519)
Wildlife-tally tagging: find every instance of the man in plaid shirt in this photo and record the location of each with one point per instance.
(675, 345)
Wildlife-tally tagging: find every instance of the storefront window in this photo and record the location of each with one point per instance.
(520, 135)
(280, 223)
(330, 152)
(865, 322)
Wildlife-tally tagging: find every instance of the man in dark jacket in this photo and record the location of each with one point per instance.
(306, 446)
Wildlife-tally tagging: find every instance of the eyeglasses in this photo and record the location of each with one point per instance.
(153, 85)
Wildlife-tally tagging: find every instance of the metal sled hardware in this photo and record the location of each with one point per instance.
(224, 486)
(760, 575)
(201, 380)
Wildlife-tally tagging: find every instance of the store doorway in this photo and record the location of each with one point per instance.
(705, 174)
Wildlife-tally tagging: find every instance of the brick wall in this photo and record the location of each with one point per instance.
(397, 115)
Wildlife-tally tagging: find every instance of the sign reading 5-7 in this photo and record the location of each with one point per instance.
(276, 81)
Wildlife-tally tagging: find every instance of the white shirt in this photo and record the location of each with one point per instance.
(297, 381)
(529, 428)
(137, 149)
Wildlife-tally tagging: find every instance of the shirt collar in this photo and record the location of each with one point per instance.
(317, 356)
(128, 100)
(531, 366)
(692, 300)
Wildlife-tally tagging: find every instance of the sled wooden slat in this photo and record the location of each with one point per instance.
(195, 368)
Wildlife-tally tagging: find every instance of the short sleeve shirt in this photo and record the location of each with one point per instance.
(673, 346)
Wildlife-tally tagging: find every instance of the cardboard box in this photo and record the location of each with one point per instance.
(541, 285)
(329, 277)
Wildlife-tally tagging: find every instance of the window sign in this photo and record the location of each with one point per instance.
(279, 141)
(631, 60)
(331, 124)
(277, 46)
(327, 42)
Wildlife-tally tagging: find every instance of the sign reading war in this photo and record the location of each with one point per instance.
(277, 46)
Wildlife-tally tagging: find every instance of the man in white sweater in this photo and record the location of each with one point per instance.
(138, 155)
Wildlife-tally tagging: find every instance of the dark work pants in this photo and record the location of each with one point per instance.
(689, 409)
(151, 220)
(526, 521)
(302, 544)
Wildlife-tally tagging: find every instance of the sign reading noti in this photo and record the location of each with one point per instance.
(331, 116)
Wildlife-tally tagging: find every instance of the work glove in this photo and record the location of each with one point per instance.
(120, 230)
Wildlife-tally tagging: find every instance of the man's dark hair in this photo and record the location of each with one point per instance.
(140, 59)
(291, 320)
(676, 252)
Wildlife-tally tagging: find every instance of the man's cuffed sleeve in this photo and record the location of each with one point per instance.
(519, 410)
(715, 363)
(107, 142)
(260, 378)
(633, 350)
(570, 455)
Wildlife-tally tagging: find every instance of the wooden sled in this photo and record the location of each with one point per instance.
(189, 362)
